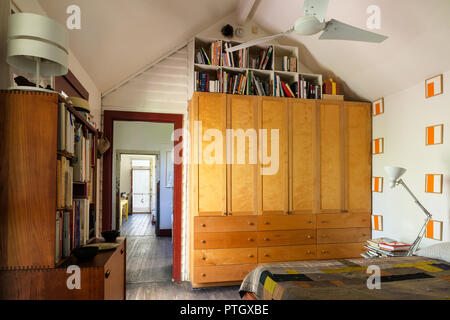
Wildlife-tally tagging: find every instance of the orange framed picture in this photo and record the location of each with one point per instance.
(434, 230)
(377, 223)
(377, 184)
(378, 107)
(434, 86)
(434, 135)
(378, 146)
(433, 183)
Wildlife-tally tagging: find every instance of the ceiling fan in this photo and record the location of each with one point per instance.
(313, 22)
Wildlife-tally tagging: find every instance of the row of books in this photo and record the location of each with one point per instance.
(263, 60)
(284, 89)
(66, 125)
(84, 155)
(64, 183)
(72, 228)
(289, 64)
(234, 84)
(385, 247)
(309, 90)
(203, 82)
(257, 86)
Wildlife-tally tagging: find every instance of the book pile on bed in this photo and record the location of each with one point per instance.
(385, 247)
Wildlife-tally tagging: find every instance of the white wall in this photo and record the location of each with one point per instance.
(407, 114)
(146, 136)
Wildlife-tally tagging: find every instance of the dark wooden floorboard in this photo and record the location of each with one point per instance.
(149, 267)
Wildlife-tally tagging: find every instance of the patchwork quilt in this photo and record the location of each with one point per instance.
(400, 278)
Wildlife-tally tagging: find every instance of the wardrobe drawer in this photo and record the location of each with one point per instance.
(222, 273)
(286, 253)
(114, 275)
(225, 224)
(343, 220)
(284, 238)
(224, 240)
(343, 235)
(287, 222)
(340, 251)
(216, 257)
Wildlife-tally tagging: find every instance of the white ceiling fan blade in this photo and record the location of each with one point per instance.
(316, 8)
(256, 41)
(336, 30)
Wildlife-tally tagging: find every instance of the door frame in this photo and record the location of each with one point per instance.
(177, 121)
(119, 154)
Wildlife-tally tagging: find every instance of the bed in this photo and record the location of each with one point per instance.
(402, 278)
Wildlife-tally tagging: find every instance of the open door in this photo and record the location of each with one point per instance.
(140, 187)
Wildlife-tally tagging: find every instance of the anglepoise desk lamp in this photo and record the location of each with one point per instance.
(394, 180)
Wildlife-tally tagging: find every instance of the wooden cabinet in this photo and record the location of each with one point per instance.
(315, 204)
(303, 154)
(212, 173)
(274, 174)
(103, 278)
(243, 156)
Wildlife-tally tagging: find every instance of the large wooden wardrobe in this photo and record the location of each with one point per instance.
(317, 205)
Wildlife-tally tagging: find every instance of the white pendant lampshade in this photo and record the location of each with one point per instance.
(37, 44)
(394, 174)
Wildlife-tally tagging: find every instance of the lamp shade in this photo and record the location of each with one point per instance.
(33, 38)
(394, 174)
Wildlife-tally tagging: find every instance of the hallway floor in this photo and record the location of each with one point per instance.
(149, 267)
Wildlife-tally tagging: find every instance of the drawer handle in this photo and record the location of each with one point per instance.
(267, 222)
(203, 274)
(250, 256)
(250, 239)
(363, 220)
(363, 234)
(224, 214)
(203, 241)
(324, 251)
(204, 258)
(107, 274)
(230, 213)
(310, 222)
(250, 223)
(203, 225)
(121, 251)
(309, 236)
(266, 239)
(308, 252)
(266, 255)
(324, 221)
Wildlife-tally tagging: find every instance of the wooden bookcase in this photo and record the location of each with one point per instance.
(28, 168)
(274, 68)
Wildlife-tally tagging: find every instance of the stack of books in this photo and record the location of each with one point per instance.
(234, 84)
(385, 247)
(289, 64)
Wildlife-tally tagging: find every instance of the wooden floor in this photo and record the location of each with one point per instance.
(149, 267)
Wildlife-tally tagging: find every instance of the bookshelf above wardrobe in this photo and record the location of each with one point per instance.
(262, 70)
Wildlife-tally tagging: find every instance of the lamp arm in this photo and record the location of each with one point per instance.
(400, 181)
(422, 231)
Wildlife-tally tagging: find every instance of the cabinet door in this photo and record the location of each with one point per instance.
(211, 175)
(302, 155)
(331, 156)
(274, 169)
(243, 156)
(358, 158)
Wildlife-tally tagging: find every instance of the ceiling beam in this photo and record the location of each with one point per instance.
(245, 10)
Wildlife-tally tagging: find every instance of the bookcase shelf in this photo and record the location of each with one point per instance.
(277, 65)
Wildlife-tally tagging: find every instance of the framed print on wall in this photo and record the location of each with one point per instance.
(378, 146)
(434, 86)
(434, 135)
(377, 223)
(433, 183)
(434, 230)
(378, 107)
(377, 184)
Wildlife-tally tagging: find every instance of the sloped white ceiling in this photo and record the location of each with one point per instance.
(119, 37)
(418, 46)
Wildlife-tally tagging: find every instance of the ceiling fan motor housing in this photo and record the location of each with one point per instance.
(308, 25)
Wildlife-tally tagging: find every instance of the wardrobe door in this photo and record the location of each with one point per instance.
(211, 175)
(302, 155)
(274, 162)
(358, 158)
(242, 155)
(331, 156)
